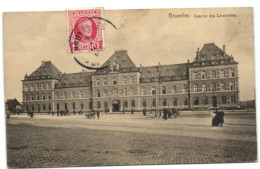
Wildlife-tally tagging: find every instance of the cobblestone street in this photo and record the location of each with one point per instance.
(125, 139)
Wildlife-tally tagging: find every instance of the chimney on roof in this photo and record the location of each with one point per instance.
(224, 48)
(197, 53)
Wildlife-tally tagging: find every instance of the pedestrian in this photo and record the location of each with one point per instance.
(98, 114)
(132, 111)
(144, 112)
(221, 115)
(165, 114)
(178, 112)
(58, 112)
(215, 118)
(31, 115)
(169, 113)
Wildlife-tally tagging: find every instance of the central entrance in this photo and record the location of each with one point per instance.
(115, 105)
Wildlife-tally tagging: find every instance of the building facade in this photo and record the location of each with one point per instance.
(209, 81)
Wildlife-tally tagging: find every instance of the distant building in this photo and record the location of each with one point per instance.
(210, 80)
(12, 105)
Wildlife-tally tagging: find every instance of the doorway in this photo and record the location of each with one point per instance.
(115, 107)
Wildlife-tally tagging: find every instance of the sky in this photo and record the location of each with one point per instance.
(149, 36)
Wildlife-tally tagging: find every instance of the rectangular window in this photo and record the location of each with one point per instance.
(205, 100)
(232, 86)
(98, 82)
(133, 103)
(204, 87)
(223, 73)
(164, 90)
(196, 101)
(43, 97)
(184, 89)
(224, 100)
(232, 73)
(144, 103)
(174, 89)
(194, 75)
(143, 91)
(81, 94)
(175, 101)
(34, 87)
(132, 80)
(114, 82)
(153, 91)
(203, 75)
(132, 92)
(213, 74)
(124, 80)
(44, 86)
(105, 82)
(26, 97)
(196, 88)
(125, 104)
(98, 93)
(164, 102)
(105, 92)
(65, 95)
(125, 92)
(73, 94)
(185, 101)
(154, 102)
(49, 86)
(214, 87)
(105, 105)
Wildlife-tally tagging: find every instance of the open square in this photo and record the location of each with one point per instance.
(126, 139)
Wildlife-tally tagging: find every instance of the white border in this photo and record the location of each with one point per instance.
(50, 5)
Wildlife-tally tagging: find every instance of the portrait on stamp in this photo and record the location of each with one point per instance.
(95, 87)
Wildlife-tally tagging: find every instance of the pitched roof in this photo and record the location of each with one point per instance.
(122, 59)
(46, 69)
(165, 71)
(75, 79)
(210, 51)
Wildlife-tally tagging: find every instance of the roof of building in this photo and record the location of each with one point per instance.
(167, 72)
(210, 51)
(75, 79)
(46, 69)
(120, 59)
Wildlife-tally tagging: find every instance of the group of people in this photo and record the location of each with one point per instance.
(30, 114)
(169, 113)
(218, 117)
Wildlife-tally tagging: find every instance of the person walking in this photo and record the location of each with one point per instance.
(221, 115)
(165, 114)
(132, 111)
(98, 112)
(144, 112)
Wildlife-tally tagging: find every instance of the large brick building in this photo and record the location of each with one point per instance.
(210, 80)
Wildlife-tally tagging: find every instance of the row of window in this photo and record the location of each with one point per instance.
(37, 97)
(125, 80)
(37, 86)
(223, 74)
(205, 100)
(214, 87)
(38, 107)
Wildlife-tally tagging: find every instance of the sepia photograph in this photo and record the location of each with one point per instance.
(94, 87)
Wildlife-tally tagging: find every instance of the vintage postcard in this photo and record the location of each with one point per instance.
(96, 87)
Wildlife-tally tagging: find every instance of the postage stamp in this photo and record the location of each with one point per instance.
(85, 30)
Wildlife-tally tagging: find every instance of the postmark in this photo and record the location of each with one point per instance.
(86, 32)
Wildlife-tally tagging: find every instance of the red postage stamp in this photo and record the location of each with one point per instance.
(85, 30)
